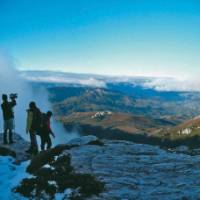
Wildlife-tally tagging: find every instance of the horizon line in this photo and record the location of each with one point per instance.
(97, 74)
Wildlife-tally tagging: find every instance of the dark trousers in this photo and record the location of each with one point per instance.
(33, 139)
(45, 140)
(10, 136)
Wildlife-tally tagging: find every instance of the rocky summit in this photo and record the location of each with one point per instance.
(136, 171)
(121, 170)
(17, 150)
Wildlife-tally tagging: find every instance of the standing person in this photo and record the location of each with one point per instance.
(33, 126)
(46, 131)
(8, 116)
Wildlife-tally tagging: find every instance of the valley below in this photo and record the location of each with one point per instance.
(128, 112)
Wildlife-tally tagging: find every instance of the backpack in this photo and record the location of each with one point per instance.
(37, 121)
(44, 121)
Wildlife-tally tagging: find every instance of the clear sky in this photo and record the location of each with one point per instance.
(123, 37)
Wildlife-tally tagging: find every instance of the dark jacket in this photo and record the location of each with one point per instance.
(36, 124)
(33, 120)
(7, 108)
(46, 125)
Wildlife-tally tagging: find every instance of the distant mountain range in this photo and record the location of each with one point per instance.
(136, 108)
(69, 99)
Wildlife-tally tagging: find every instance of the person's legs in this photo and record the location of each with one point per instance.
(48, 140)
(33, 139)
(34, 145)
(43, 141)
(31, 146)
(10, 136)
(10, 127)
(35, 142)
(5, 141)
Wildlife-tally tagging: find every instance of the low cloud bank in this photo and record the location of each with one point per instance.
(63, 78)
(173, 85)
(159, 84)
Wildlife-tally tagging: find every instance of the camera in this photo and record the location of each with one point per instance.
(13, 96)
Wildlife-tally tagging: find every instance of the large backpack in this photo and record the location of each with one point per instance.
(37, 118)
(44, 121)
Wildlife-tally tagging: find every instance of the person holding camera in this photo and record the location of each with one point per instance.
(8, 116)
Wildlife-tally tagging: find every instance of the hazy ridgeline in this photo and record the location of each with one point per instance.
(11, 82)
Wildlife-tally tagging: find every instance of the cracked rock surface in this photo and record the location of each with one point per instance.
(136, 171)
(129, 170)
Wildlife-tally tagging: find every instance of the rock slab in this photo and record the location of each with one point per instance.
(16, 150)
(136, 171)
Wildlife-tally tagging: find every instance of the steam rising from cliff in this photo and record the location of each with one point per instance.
(11, 82)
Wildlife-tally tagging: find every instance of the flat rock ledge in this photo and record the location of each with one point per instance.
(16, 150)
(130, 171)
(137, 171)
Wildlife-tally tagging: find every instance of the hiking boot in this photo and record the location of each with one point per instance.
(29, 150)
(5, 140)
(10, 138)
(35, 151)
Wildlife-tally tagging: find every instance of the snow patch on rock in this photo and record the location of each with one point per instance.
(11, 176)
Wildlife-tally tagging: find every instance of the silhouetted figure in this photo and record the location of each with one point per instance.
(8, 116)
(33, 126)
(46, 131)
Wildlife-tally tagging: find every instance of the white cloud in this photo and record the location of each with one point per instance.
(169, 84)
(93, 82)
(64, 78)
(160, 84)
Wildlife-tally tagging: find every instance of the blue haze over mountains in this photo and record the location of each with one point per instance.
(133, 86)
(143, 92)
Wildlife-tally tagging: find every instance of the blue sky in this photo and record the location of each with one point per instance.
(121, 37)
